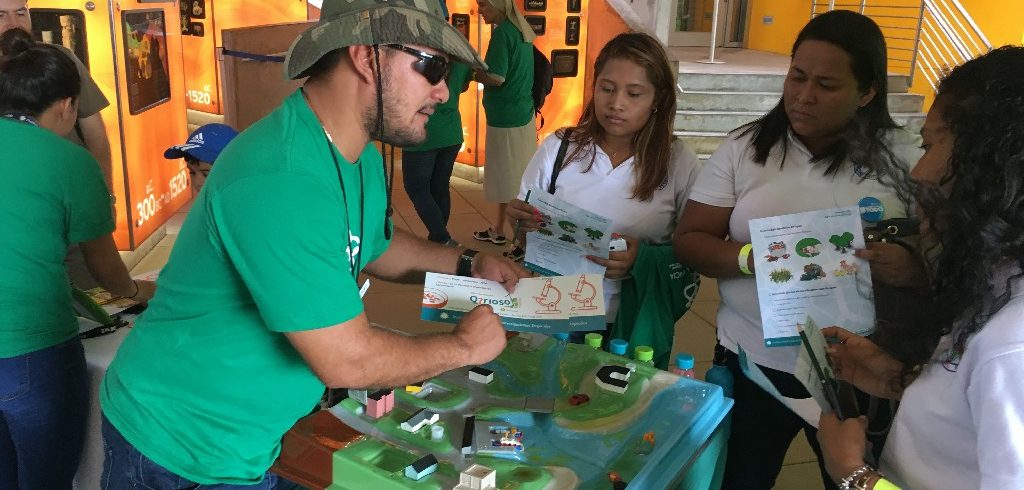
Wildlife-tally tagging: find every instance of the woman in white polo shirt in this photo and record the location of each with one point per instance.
(622, 160)
(830, 142)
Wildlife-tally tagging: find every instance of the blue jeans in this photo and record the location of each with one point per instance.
(426, 175)
(125, 468)
(44, 402)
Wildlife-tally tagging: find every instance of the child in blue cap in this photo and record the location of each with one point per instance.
(201, 150)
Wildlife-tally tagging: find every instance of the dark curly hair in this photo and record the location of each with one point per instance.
(863, 140)
(979, 227)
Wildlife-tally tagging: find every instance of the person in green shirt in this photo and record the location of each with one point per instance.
(54, 196)
(511, 136)
(427, 167)
(259, 307)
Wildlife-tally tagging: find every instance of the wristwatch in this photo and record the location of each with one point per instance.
(465, 265)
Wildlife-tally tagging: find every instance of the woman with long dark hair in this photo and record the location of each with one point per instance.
(961, 416)
(54, 195)
(829, 142)
(623, 162)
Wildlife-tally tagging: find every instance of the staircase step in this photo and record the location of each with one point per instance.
(705, 141)
(764, 101)
(730, 120)
(757, 82)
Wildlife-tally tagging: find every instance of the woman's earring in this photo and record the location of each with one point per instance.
(654, 111)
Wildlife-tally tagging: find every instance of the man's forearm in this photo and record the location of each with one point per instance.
(408, 258)
(94, 135)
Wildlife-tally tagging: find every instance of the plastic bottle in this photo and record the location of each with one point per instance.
(719, 373)
(683, 365)
(644, 354)
(594, 340)
(618, 347)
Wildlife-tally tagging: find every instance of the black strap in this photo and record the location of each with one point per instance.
(557, 167)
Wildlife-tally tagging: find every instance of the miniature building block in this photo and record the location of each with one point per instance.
(613, 378)
(377, 403)
(421, 467)
(436, 432)
(390, 401)
(467, 434)
(481, 375)
(414, 389)
(495, 437)
(419, 419)
(358, 395)
(477, 477)
(578, 399)
(539, 405)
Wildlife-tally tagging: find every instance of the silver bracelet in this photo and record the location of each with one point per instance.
(845, 483)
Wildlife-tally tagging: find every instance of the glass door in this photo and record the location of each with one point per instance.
(692, 21)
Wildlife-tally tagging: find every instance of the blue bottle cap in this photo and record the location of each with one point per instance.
(561, 336)
(618, 347)
(684, 360)
(871, 209)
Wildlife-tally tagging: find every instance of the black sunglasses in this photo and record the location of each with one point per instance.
(433, 67)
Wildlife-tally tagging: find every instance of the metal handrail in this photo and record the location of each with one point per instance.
(945, 36)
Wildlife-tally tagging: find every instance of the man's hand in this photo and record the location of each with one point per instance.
(842, 444)
(894, 265)
(618, 264)
(860, 362)
(499, 269)
(482, 334)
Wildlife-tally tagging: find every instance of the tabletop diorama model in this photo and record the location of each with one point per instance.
(545, 414)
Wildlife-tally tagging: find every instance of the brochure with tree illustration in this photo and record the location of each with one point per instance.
(804, 266)
(567, 234)
(538, 304)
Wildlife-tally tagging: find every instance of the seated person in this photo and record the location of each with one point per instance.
(201, 149)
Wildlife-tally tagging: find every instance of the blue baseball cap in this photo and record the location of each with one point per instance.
(205, 143)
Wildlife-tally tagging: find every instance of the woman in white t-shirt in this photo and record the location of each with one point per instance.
(830, 142)
(960, 423)
(622, 161)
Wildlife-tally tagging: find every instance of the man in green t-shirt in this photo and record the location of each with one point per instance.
(259, 307)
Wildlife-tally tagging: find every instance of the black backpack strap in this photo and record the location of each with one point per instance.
(559, 158)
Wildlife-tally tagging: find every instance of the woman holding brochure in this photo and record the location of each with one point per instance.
(621, 161)
(961, 414)
(829, 142)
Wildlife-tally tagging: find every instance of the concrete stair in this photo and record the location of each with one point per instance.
(712, 104)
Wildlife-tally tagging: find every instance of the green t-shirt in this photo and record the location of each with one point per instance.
(206, 384)
(53, 195)
(509, 105)
(444, 128)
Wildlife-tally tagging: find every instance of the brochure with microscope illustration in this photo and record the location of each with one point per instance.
(805, 266)
(567, 234)
(538, 304)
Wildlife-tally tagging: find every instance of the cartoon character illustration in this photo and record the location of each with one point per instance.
(584, 294)
(593, 234)
(808, 247)
(780, 276)
(845, 269)
(567, 238)
(812, 272)
(842, 242)
(549, 298)
(776, 251)
(568, 226)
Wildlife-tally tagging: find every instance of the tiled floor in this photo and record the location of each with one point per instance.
(397, 305)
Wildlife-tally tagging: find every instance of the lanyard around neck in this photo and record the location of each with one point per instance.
(20, 117)
(354, 254)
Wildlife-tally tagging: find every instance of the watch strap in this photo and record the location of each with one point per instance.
(465, 266)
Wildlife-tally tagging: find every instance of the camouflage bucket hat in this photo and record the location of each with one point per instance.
(369, 22)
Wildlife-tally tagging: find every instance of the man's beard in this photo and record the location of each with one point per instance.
(394, 134)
